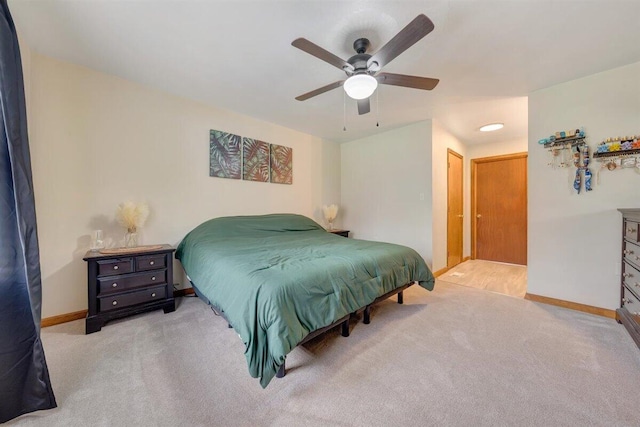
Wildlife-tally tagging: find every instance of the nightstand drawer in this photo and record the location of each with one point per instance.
(114, 302)
(631, 303)
(122, 283)
(630, 276)
(632, 231)
(631, 253)
(151, 262)
(115, 266)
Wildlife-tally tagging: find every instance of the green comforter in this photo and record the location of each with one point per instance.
(279, 277)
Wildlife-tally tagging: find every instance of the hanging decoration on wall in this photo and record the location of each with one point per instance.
(568, 149)
(582, 165)
(225, 152)
(562, 137)
(235, 157)
(281, 164)
(559, 146)
(255, 160)
(618, 153)
(620, 144)
(559, 156)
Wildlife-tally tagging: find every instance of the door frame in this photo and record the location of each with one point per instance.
(461, 157)
(474, 166)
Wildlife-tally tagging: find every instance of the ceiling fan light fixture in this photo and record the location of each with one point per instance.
(491, 127)
(360, 86)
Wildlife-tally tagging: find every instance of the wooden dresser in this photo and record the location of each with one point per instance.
(120, 285)
(629, 312)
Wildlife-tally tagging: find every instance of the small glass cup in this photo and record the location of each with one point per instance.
(97, 240)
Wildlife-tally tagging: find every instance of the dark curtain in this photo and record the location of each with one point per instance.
(24, 378)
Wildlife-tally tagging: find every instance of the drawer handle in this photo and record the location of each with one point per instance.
(152, 262)
(637, 285)
(625, 275)
(153, 278)
(631, 230)
(114, 303)
(153, 294)
(115, 267)
(626, 301)
(636, 313)
(115, 285)
(627, 252)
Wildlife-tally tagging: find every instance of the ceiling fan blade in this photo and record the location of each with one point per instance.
(320, 53)
(364, 106)
(407, 37)
(424, 83)
(318, 91)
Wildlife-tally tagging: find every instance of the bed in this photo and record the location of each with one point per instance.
(280, 278)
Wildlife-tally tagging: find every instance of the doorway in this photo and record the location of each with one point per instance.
(499, 208)
(455, 206)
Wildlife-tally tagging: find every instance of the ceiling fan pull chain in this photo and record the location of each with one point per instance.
(344, 111)
(377, 108)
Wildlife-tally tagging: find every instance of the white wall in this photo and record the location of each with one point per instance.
(478, 151)
(386, 187)
(98, 140)
(331, 180)
(574, 240)
(442, 140)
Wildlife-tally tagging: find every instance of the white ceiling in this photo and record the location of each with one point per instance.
(237, 55)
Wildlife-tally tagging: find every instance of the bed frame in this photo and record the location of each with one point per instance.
(343, 322)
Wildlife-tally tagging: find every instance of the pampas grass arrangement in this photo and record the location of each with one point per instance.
(330, 214)
(132, 215)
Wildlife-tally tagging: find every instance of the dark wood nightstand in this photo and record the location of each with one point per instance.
(128, 283)
(343, 233)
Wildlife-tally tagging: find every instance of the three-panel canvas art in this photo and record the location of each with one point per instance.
(235, 157)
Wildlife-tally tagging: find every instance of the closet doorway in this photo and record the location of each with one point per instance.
(455, 206)
(499, 208)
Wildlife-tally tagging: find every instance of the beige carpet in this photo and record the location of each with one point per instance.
(453, 357)
(507, 279)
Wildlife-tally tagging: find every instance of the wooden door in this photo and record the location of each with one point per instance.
(454, 208)
(499, 208)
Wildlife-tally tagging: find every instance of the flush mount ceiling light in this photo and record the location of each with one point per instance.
(360, 86)
(491, 127)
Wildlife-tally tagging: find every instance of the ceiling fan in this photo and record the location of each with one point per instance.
(363, 70)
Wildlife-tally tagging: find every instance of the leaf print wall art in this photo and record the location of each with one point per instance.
(225, 155)
(281, 164)
(255, 157)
